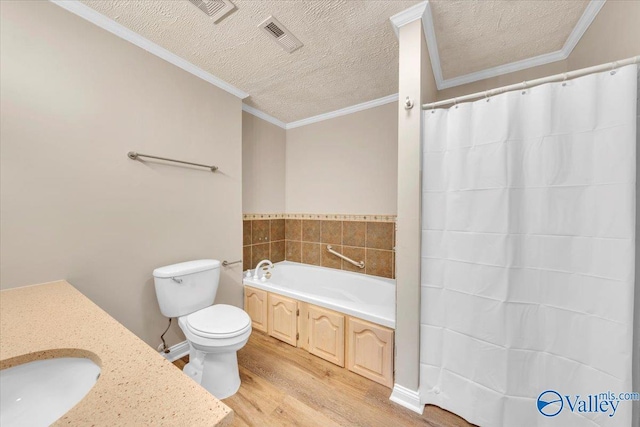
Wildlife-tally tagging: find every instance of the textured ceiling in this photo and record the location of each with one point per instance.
(350, 53)
(475, 35)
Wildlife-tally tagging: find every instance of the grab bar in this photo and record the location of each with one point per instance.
(226, 263)
(134, 156)
(339, 255)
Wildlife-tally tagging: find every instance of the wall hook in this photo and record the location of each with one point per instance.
(408, 104)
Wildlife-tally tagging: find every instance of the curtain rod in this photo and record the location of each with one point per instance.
(528, 84)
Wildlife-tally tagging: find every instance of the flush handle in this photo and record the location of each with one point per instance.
(175, 279)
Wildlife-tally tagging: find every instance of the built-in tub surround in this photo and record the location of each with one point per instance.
(368, 298)
(368, 238)
(137, 386)
(340, 316)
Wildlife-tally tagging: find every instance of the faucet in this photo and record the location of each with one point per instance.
(264, 261)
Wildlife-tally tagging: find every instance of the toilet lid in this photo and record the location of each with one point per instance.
(219, 321)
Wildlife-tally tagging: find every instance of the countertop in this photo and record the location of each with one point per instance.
(137, 386)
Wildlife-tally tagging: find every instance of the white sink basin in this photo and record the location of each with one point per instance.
(38, 393)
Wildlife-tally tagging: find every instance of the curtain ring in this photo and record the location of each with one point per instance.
(524, 87)
(564, 80)
(486, 96)
(455, 102)
(614, 65)
(433, 108)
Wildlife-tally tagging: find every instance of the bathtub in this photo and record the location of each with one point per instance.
(366, 297)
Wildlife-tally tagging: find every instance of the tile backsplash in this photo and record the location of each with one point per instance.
(280, 237)
(262, 239)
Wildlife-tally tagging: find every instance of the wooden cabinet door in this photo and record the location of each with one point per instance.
(326, 334)
(370, 351)
(255, 304)
(283, 319)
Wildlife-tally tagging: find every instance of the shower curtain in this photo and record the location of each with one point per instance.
(528, 246)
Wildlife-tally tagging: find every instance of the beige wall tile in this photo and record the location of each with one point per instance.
(311, 253)
(293, 251)
(260, 231)
(356, 254)
(331, 232)
(293, 229)
(380, 235)
(246, 233)
(277, 229)
(258, 253)
(379, 263)
(311, 230)
(277, 251)
(328, 259)
(354, 233)
(246, 257)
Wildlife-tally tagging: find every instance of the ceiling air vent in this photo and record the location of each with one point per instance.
(276, 31)
(215, 9)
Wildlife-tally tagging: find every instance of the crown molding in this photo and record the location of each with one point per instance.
(423, 11)
(344, 111)
(501, 70)
(432, 44)
(96, 18)
(325, 116)
(264, 116)
(411, 14)
(590, 13)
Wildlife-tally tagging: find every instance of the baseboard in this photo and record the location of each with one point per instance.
(410, 399)
(177, 351)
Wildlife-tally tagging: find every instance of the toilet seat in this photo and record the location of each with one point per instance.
(219, 321)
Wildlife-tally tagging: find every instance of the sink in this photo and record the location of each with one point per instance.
(39, 392)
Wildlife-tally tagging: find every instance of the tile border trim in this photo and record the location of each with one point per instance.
(326, 217)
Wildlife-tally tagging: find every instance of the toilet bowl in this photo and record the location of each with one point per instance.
(214, 332)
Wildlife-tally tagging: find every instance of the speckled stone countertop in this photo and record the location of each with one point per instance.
(137, 386)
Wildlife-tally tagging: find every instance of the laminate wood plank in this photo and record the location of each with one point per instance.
(257, 399)
(287, 386)
(292, 412)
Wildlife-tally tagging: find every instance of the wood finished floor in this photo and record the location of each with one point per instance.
(287, 386)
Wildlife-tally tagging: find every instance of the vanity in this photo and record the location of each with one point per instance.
(136, 386)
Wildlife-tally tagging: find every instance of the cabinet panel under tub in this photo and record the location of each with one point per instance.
(370, 350)
(326, 334)
(282, 318)
(255, 304)
(363, 347)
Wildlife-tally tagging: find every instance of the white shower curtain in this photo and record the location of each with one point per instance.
(528, 252)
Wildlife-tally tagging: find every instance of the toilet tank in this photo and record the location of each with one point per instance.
(186, 287)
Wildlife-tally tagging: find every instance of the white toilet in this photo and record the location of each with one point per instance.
(214, 332)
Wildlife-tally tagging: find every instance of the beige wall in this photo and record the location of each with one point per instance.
(75, 100)
(614, 34)
(344, 165)
(263, 166)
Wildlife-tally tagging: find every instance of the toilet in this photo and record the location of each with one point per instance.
(214, 332)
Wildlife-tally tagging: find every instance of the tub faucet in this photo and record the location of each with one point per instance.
(264, 261)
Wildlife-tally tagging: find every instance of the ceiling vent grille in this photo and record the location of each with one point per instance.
(214, 9)
(278, 33)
